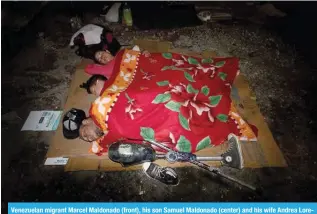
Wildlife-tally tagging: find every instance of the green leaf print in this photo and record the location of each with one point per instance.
(214, 100)
(190, 89)
(205, 90)
(163, 83)
(172, 67)
(165, 68)
(189, 77)
(192, 61)
(220, 64)
(222, 75)
(204, 143)
(207, 61)
(147, 133)
(183, 121)
(222, 117)
(161, 98)
(173, 106)
(183, 145)
(167, 55)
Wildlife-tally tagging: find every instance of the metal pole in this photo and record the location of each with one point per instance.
(160, 145)
(217, 172)
(160, 156)
(215, 158)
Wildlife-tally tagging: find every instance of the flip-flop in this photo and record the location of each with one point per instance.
(165, 175)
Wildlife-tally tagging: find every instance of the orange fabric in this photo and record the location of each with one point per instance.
(103, 104)
(246, 132)
(126, 71)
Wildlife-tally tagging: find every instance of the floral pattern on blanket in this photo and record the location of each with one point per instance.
(180, 100)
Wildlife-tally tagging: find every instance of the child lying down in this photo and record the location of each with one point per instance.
(105, 63)
(95, 83)
(180, 100)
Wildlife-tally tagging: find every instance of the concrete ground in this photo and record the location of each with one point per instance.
(39, 77)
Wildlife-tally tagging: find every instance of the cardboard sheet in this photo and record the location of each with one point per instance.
(263, 153)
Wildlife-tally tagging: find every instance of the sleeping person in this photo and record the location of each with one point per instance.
(168, 97)
(94, 84)
(102, 71)
(104, 64)
(98, 44)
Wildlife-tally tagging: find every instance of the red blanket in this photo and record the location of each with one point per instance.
(180, 100)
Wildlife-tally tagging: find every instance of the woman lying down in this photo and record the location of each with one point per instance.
(181, 101)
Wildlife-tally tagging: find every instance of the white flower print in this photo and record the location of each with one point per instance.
(115, 88)
(125, 76)
(100, 102)
(129, 58)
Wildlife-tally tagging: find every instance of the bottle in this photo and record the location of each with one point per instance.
(127, 15)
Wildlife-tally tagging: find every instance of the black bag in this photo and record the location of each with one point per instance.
(108, 42)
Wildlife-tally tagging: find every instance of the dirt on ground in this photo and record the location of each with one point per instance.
(39, 76)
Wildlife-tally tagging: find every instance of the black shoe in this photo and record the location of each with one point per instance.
(233, 156)
(166, 175)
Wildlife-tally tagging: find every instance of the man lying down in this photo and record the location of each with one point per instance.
(181, 101)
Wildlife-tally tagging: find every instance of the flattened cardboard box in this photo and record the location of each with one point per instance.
(264, 153)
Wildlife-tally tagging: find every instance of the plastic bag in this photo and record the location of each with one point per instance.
(113, 13)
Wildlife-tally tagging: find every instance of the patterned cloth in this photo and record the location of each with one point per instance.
(172, 98)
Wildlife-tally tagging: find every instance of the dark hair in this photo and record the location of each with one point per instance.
(91, 81)
(108, 42)
(89, 51)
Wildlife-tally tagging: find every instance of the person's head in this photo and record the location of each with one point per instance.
(103, 57)
(108, 43)
(94, 84)
(89, 131)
